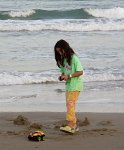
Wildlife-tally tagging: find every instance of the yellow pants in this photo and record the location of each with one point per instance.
(71, 99)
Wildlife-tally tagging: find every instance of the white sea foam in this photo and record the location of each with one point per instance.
(103, 77)
(63, 25)
(116, 13)
(14, 78)
(22, 13)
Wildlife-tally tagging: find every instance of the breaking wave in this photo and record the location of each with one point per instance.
(36, 14)
(115, 13)
(62, 25)
(15, 78)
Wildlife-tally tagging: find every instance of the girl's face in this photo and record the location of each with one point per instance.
(60, 51)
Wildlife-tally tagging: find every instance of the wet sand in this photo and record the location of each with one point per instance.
(98, 131)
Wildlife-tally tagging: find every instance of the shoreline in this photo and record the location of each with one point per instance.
(45, 97)
(97, 131)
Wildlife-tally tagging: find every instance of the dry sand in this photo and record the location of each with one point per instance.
(98, 131)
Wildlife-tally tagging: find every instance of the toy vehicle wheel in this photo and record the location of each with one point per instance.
(39, 138)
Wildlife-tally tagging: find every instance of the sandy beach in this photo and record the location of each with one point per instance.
(99, 131)
(31, 96)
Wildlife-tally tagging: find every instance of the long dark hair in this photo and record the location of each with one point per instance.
(68, 51)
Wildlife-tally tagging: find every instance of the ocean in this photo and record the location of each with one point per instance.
(29, 30)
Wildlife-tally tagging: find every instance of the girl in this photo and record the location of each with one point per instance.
(71, 71)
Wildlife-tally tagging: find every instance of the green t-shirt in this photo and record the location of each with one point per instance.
(76, 83)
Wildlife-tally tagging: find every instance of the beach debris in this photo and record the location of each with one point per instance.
(106, 123)
(21, 120)
(85, 122)
(59, 90)
(11, 133)
(104, 131)
(100, 131)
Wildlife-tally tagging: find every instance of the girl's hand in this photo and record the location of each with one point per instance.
(65, 77)
(60, 78)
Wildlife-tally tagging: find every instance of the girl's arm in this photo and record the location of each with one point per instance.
(76, 74)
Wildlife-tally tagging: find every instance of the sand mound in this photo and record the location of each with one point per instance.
(36, 126)
(21, 120)
(85, 122)
(58, 124)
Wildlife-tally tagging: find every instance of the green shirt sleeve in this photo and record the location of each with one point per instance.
(77, 64)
